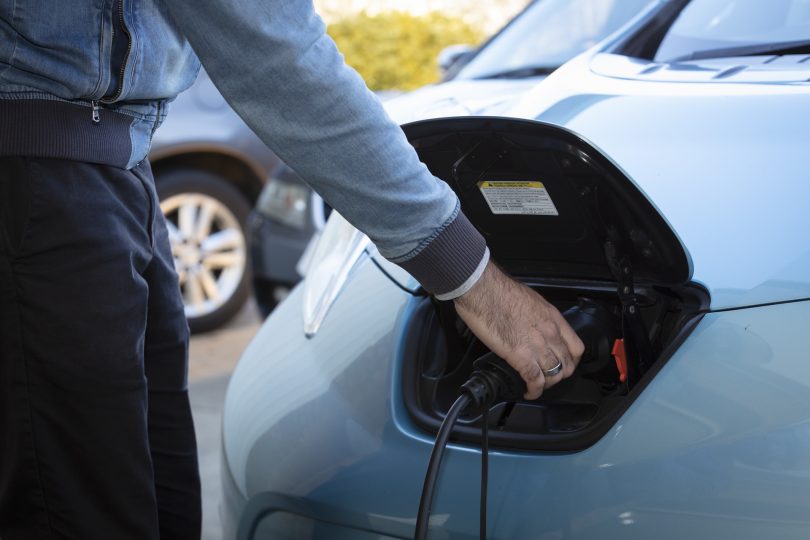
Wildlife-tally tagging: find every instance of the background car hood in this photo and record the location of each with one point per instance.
(459, 98)
(724, 163)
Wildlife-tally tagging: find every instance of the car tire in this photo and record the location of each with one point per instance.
(206, 217)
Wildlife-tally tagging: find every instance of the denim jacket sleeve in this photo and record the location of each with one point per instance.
(274, 63)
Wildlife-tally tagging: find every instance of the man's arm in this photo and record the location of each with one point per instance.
(274, 63)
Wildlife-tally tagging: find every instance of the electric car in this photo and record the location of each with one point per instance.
(654, 189)
(484, 81)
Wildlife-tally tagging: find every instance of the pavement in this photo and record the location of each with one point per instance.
(212, 358)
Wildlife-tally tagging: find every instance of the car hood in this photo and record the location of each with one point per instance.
(722, 161)
(459, 98)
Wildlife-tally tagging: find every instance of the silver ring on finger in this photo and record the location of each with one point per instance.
(553, 371)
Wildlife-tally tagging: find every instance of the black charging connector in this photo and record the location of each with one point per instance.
(492, 381)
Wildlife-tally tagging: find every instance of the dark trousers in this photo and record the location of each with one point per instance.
(96, 435)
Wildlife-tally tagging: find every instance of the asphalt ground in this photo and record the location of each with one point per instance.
(212, 358)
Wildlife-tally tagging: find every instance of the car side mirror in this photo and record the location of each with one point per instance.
(453, 55)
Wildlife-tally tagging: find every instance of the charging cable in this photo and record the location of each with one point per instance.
(436, 456)
(492, 381)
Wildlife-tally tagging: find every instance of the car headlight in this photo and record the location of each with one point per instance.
(284, 202)
(334, 255)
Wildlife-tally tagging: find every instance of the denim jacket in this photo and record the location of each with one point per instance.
(91, 79)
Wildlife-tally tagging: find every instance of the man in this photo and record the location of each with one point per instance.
(96, 438)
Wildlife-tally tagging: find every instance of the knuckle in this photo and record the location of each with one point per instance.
(547, 328)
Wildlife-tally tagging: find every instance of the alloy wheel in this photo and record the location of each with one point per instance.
(209, 250)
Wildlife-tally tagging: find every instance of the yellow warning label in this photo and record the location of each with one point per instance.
(518, 197)
(500, 184)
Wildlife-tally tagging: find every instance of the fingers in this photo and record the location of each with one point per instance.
(518, 325)
(557, 355)
(532, 374)
(535, 372)
(546, 349)
(573, 346)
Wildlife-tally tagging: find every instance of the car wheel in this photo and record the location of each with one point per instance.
(206, 218)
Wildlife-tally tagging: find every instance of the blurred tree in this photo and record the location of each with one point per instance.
(396, 50)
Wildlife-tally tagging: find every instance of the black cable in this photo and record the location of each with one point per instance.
(492, 379)
(435, 461)
(482, 531)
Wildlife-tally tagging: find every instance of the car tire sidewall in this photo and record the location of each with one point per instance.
(181, 181)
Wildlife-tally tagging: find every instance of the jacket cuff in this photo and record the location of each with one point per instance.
(452, 262)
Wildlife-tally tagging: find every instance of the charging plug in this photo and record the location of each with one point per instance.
(493, 380)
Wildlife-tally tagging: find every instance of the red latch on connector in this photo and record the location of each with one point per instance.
(620, 356)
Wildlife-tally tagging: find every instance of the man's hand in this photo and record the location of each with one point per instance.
(519, 325)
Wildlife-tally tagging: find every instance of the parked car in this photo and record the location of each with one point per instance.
(209, 168)
(665, 201)
(483, 81)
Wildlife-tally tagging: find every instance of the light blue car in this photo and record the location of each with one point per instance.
(657, 191)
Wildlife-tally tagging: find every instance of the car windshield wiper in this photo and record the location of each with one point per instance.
(781, 48)
(521, 73)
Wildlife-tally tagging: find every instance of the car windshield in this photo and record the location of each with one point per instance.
(548, 34)
(722, 28)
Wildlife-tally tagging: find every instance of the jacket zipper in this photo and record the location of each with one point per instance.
(122, 70)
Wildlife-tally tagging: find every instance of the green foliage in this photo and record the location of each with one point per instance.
(396, 50)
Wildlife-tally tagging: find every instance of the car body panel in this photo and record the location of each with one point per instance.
(281, 334)
(459, 98)
(767, 69)
(329, 411)
(396, 273)
(762, 259)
